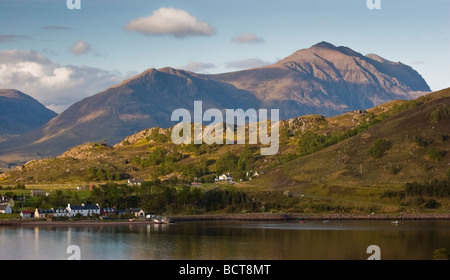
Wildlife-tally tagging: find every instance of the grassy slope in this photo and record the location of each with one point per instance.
(347, 171)
(344, 172)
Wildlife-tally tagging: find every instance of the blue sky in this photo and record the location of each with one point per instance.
(60, 56)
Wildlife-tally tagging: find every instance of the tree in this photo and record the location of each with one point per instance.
(227, 163)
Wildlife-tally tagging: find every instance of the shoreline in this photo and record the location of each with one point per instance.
(300, 216)
(235, 217)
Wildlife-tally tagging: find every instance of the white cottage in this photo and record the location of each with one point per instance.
(58, 212)
(225, 177)
(83, 209)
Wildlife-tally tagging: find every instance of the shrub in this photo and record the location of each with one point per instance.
(422, 142)
(379, 147)
(394, 170)
(439, 114)
(431, 204)
(436, 154)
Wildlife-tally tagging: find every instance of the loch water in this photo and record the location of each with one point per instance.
(207, 240)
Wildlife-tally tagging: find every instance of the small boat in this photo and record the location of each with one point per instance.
(162, 220)
(395, 222)
(326, 221)
(302, 221)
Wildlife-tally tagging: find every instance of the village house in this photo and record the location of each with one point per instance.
(134, 182)
(60, 212)
(106, 211)
(42, 213)
(137, 212)
(83, 209)
(5, 209)
(25, 214)
(37, 192)
(224, 177)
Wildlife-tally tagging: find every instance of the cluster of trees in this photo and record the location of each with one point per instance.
(19, 186)
(238, 166)
(98, 174)
(166, 162)
(163, 197)
(433, 188)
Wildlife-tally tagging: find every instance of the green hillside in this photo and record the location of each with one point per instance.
(380, 160)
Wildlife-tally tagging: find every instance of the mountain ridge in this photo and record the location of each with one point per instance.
(20, 113)
(323, 79)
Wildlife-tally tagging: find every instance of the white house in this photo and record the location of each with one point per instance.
(5, 209)
(25, 214)
(58, 212)
(83, 209)
(225, 177)
(134, 182)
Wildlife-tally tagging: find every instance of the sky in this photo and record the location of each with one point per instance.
(60, 54)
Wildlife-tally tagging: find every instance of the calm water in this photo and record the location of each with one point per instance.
(334, 240)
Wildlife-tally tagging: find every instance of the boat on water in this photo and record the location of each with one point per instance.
(161, 220)
(395, 222)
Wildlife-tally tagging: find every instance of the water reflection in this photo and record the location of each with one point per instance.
(219, 240)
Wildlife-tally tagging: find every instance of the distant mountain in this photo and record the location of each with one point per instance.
(20, 113)
(328, 80)
(144, 101)
(323, 79)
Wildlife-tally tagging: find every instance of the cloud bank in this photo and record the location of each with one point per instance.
(56, 86)
(170, 21)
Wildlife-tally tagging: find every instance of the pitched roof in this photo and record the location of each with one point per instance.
(3, 206)
(84, 207)
(44, 211)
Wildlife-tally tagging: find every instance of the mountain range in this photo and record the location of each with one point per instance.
(323, 79)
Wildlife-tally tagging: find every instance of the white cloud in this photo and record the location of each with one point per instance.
(170, 21)
(247, 38)
(246, 63)
(56, 86)
(80, 47)
(198, 66)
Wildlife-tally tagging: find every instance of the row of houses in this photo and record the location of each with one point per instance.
(85, 210)
(228, 178)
